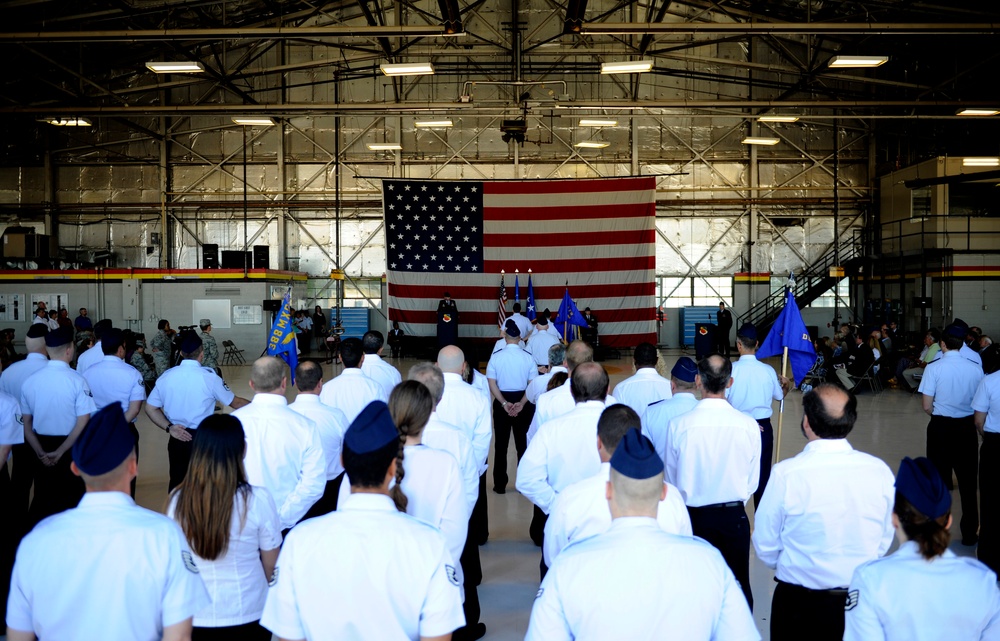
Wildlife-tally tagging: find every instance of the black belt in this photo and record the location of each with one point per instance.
(718, 506)
(802, 588)
(513, 397)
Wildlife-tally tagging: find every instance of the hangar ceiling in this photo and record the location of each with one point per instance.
(162, 169)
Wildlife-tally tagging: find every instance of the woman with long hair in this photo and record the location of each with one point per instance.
(923, 591)
(233, 530)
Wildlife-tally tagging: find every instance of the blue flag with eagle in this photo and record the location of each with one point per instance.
(531, 313)
(789, 330)
(282, 338)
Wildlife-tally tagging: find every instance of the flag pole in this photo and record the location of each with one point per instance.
(781, 408)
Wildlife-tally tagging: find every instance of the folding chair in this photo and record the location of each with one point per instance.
(870, 377)
(232, 354)
(815, 375)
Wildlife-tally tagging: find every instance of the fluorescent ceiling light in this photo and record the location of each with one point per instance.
(981, 162)
(858, 61)
(256, 121)
(978, 112)
(778, 119)
(433, 124)
(626, 66)
(175, 67)
(385, 146)
(408, 69)
(592, 122)
(68, 122)
(757, 140)
(592, 144)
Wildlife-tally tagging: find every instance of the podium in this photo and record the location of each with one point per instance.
(704, 339)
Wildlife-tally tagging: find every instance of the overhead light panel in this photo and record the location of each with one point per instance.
(433, 124)
(757, 140)
(408, 69)
(385, 146)
(626, 66)
(978, 112)
(592, 122)
(778, 119)
(254, 121)
(981, 162)
(175, 67)
(848, 62)
(68, 122)
(591, 144)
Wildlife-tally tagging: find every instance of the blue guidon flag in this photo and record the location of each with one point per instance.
(457, 236)
(790, 331)
(281, 341)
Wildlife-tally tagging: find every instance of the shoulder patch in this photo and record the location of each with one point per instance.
(274, 578)
(20, 419)
(852, 600)
(540, 592)
(452, 574)
(189, 563)
(225, 385)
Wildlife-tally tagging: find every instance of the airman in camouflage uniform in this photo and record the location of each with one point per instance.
(211, 358)
(161, 346)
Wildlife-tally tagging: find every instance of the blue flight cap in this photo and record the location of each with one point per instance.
(956, 330)
(104, 443)
(635, 457)
(747, 330)
(190, 342)
(59, 337)
(510, 327)
(372, 430)
(920, 484)
(961, 323)
(684, 369)
(38, 330)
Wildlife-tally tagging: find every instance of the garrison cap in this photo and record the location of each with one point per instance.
(684, 369)
(59, 337)
(747, 330)
(635, 457)
(372, 430)
(104, 443)
(920, 484)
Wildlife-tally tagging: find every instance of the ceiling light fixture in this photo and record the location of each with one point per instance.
(626, 66)
(591, 144)
(408, 69)
(778, 119)
(68, 122)
(981, 162)
(848, 62)
(978, 112)
(757, 140)
(175, 67)
(433, 124)
(385, 146)
(593, 122)
(255, 121)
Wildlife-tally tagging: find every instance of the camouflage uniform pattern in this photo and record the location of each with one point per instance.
(161, 358)
(211, 358)
(138, 362)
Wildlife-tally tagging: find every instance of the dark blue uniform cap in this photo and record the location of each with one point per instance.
(747, 330)
(920, 484)
(511, 328)
(684, 369)
(104, 443)
(190, 342)
(635, 457)
(372, 430)
(38, 330)
(956, 330)
(59, 337)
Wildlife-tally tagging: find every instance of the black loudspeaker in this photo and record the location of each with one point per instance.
(235, 259)
(261, 256)
(209, 256)
(272, 305)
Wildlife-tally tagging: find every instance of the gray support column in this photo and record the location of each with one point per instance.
(165, 246)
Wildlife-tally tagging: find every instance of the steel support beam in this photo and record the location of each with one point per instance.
(790, 28)
(229, 33)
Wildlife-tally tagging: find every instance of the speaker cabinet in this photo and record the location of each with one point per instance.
(209, 256)
(261, 256)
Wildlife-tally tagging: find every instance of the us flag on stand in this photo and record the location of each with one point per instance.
(501, 304)
(456, 236)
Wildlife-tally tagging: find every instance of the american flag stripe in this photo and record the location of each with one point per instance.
(597, 234)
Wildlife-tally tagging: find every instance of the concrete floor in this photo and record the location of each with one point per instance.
(891, 426)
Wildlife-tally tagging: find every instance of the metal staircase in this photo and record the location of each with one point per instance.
(814, 281)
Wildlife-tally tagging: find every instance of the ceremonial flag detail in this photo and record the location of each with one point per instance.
(789, 330)
(501, 304)
(531, 312)
(282, 341)
(568, 316)
(453, 235)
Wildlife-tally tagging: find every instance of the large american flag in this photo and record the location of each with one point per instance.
(597, 235)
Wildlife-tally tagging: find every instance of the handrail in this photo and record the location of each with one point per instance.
(768, 308)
